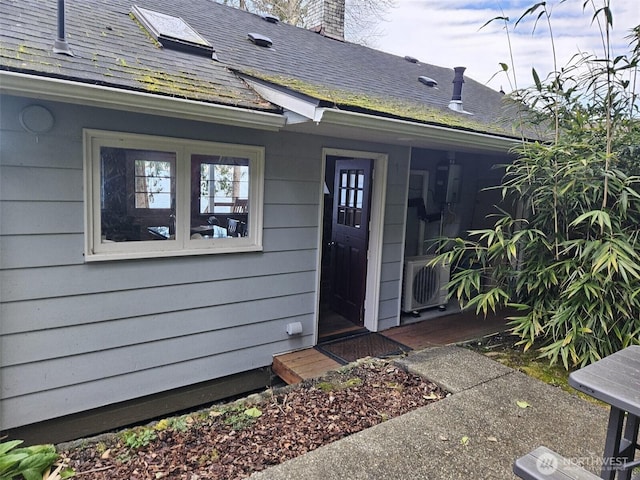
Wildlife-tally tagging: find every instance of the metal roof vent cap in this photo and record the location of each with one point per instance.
(270, 18)
(411, 59)
(429, 82)
(260, 40)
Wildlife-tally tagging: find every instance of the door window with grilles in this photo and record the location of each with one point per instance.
(351, 194)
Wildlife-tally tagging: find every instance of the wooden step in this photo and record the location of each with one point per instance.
(458, 327)
(297, 366)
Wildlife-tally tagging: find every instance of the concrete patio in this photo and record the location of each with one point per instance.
(475, 433)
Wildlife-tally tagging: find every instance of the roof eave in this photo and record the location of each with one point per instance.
(393, 130)
(48, 88)
(290, 100)
(406, 132)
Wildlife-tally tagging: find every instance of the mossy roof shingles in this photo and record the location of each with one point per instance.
(353, 76)
(111, 48)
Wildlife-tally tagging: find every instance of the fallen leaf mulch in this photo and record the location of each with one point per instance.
(234, 440)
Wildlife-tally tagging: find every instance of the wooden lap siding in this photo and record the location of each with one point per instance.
(393, 247)
(77, 336)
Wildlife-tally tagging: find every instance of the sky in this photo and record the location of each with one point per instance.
(449, 33)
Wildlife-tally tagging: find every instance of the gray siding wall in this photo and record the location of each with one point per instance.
(393, 242)
(76, 336)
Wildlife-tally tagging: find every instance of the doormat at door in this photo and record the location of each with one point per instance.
(369, 344)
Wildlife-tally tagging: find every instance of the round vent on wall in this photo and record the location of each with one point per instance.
(36, 119)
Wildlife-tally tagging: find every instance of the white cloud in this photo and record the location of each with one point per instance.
(448, 33)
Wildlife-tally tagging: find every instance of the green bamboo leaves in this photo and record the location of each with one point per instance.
(566, 256)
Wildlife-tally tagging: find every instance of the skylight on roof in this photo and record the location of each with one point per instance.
(172, 32)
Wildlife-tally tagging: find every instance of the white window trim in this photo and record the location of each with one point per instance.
(183, 244)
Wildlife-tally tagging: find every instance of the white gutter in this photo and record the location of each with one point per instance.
(407, 130)
(302, 107)
(47, 88)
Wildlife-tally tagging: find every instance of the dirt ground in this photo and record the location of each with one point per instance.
(229, 441)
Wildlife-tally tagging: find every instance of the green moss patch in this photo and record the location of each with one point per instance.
(393, 108)
(503, 349)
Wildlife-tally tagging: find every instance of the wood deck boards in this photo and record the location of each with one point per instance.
(333, 324)
(310, 363)
(303, 364)
(457, 328)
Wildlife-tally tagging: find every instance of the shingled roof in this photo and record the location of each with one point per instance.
(112, 49)
(353, 76)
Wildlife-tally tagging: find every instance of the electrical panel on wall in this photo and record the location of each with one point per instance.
(448, 181)
(454, 183)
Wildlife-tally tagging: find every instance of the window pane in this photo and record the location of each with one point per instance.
(341, 216)
(349, 220)
(137, 195)
(220, 196)
(153, 184)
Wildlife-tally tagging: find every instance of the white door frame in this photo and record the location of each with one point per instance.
(376, 231)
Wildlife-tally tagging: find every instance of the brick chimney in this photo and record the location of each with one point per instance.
(327, 18)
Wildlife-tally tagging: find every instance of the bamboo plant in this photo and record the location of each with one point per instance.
(568, 259)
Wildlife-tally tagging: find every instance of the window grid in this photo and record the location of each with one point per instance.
(351, 193)
(154, 184)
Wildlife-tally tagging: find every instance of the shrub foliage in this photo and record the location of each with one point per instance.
(567, 255)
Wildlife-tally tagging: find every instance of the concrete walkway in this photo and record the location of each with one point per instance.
(482, 408)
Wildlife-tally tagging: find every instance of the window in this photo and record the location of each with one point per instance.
(350, 195)
(153, 196)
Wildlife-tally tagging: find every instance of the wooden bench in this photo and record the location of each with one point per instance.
(545, 464)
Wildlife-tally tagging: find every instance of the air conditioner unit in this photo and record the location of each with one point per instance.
(424, 286)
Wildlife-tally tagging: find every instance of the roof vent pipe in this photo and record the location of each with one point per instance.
(456, 99)
(61, 45)
(458, 80)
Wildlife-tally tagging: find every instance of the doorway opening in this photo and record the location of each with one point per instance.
(345, 245)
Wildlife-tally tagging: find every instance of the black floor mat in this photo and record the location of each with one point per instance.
(369, 344)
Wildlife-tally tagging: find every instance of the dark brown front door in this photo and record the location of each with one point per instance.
(350, 237)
